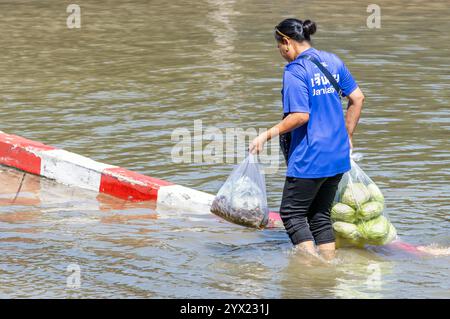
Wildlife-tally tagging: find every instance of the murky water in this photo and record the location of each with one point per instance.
(116, 89)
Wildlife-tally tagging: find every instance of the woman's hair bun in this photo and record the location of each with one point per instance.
(295, 29)
(309, 28)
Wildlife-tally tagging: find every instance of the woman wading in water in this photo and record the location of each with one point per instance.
(316, 136)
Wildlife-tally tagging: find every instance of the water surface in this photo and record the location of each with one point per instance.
(116, 89)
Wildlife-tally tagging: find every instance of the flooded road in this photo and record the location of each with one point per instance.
(116, 89)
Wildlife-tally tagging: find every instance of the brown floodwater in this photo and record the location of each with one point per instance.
(117, 88)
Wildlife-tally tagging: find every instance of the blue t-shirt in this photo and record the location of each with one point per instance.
(320, 147)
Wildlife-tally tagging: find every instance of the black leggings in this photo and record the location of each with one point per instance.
(305, 208)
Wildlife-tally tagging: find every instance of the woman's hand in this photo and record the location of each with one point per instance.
(257, 145)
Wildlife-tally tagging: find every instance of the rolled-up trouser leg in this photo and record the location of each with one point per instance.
(319, 212)
(298, 195)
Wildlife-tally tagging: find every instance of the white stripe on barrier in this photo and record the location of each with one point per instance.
(180, 198)
(72, 169)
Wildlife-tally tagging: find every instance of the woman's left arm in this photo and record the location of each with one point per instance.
(355, 103)
(289, 123)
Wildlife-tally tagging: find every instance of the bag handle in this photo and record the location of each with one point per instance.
(325, 72)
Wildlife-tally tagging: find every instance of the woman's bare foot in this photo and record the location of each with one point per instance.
(307, 247)
(327, 251)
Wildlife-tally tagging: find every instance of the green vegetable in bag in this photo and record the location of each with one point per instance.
(370, 210)
(357, 211)
(375, 193)
(355, 195)
(342, 212)
(392, 235)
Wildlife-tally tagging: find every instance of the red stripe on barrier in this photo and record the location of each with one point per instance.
(129, 185)
(17, 152)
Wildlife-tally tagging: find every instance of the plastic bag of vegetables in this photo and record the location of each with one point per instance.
(358, 213)
(242, 199)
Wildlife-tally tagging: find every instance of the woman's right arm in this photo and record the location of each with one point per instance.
(289, 123)
(355, 103)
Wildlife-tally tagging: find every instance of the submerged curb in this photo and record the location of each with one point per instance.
(76, 170)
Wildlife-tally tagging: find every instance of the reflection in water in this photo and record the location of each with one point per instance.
(220, 26)
(36, 198)
(362, 277)
(123, 245)
(306, 275)
(17, 189)
(353, 274)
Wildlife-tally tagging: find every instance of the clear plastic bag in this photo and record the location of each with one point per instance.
(242, 199)
(358, 212)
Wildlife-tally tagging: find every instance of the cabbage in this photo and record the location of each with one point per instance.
(342, 212)
(374, 230)
(346, 230)
(370, 210)
(375, 193)
(391, 235)
(355, 195)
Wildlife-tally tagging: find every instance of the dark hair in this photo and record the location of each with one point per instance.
(295, 29)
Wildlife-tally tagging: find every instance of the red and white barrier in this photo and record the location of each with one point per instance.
(75, 170)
